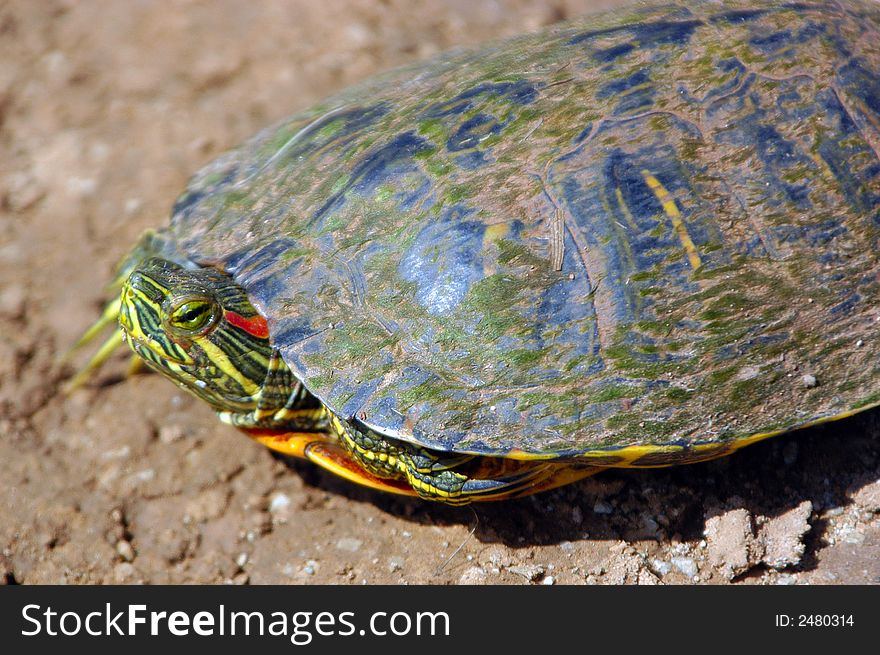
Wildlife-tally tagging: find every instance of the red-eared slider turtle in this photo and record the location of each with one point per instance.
(637, 239)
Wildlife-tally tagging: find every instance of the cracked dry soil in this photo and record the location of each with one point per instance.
(105, 109)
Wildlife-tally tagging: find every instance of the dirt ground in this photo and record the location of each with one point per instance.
(106, 108)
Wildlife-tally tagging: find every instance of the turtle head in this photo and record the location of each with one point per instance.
(197, 327)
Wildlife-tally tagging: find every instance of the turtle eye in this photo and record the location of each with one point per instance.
(192, 315)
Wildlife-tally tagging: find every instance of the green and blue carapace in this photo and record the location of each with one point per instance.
(636, 239)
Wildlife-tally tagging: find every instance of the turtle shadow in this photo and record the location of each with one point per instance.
(822, 465)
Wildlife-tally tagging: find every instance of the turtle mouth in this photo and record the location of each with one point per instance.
(153, 352)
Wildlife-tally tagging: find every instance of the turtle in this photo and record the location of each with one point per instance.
(640, 238)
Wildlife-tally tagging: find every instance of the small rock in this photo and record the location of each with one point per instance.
(473, 575)
(133, 205)
(782, 536)
(647, 578)
(262, 524)
(241, 579)
(809, 381)
(395, 563)
(279, 502)
(621, 567)
(601, 507)
(786, 579)
(124, 572)
(241, 560)
(22, 191)
(12, 302)
(81, 187)
(549, 580)
(650, 526)
(497, 556)
(851, 535)
(349, 544)
(215, 69)
(207, 505)
(170, 433)
(661, 567)
(124, 550)
(730, 542)
(530, 572)
(310, 567)
(868, 497)
(686, 565)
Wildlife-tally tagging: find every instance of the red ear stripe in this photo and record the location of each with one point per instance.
(255, 325)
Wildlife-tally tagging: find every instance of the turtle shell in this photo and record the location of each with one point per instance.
(654, 226)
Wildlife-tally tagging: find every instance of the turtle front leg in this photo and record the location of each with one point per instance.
(431, 475)
(453, 478)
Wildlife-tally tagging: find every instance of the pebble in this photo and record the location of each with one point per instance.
(651, 526)
(22, 191)
(124, 572)
(782, 536)
(241, 560)
(124, 550)
(133, 205)
(601, 507)
(549, 580)
(809, 381)
(868, 497)
(497, 556)
(686, 565)
(208, 505)
(730, 542)
(647, 578)
(530, 572)
(395, 563)
(473, 575)
(262, 524)
(661, 567)
(81, 187)
(12, 302)
(170, 433)
(850, 535)
(349, 544)
(279, 503)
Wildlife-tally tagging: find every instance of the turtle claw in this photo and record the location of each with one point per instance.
(107, 348)
(108, 317)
